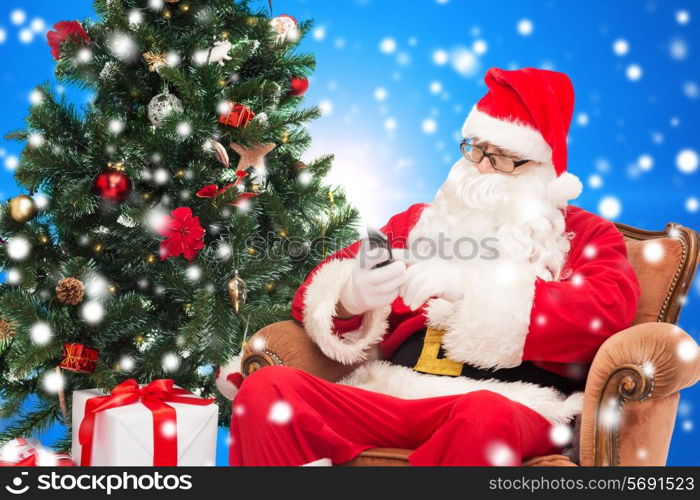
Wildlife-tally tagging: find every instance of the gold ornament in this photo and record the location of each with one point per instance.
(269, 287)
(112, 288)
(154, 60)
(22, 208)
(255, 187)
(284, 136)
(184, 7)
(98, 248)
(180, 173)
(253, 156)
(237, 292)
(151, 258)
(42, 239)
(167, 14)
(138, 340)
(70, 291)
(7, 331)
(282, 233)
(251, 251)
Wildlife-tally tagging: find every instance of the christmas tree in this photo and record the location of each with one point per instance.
(168, 219)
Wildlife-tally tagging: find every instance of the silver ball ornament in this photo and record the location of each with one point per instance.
(161, 106)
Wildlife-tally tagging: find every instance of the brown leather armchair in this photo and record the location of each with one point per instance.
(633, 385)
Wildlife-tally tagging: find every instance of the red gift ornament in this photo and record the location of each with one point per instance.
(113, 185)
(236, 115)
(63, 31)
(155, 397)
(79, 358)
(299, 86)
(183, 235)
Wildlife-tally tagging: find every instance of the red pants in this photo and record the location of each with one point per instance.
(284, 416)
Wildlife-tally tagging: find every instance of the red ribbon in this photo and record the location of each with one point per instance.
(154, 397)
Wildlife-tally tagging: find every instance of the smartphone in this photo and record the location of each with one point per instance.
(377, 239)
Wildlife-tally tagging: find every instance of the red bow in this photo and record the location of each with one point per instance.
(154, 397)
(213, 191)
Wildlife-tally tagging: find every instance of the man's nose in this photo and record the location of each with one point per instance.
(484, 166)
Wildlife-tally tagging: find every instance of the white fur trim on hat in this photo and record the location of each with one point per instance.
(511, 135)
(320, 301)
(564, 188)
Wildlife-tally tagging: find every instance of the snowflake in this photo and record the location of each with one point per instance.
(525, 27)
(692, 204)
(610, 207)
(429, 126)
(40, 333)
(480, 47)
(561, 434)
(92, 312)
(633, 72)
(168, 429)
(500, 455)
(440, 57)
(595, 181)
(678, 49)
(170, 362)
(53, 382)
(387, 45)
(380, 94)
(645, 162)
(621, 47)
(653, 252)
(280, 413)
(687, 350)
(464, 61)
(687, 161)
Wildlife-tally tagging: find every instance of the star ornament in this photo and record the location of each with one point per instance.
(253, 156)
(183, 235)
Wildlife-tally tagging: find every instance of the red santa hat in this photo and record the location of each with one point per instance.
(526, 111)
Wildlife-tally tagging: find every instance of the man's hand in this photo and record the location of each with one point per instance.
(370, 288)
(431, 278)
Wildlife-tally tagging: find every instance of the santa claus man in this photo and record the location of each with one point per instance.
(475, 330)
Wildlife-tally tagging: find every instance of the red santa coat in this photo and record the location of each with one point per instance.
(496, 325)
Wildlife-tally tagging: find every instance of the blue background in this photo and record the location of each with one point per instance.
(396, 80)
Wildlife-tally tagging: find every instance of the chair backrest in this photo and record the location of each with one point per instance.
(665, 262)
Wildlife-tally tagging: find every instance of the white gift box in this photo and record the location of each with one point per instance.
(123, 436)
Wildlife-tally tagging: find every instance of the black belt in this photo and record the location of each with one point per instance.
(409, 353)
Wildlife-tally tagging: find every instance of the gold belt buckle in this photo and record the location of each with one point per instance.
(429, 361)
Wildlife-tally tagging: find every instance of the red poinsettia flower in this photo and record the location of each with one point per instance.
(183, 235)
(62, 32)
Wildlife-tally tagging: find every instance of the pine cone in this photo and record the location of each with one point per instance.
(70, 291)
(7, 331)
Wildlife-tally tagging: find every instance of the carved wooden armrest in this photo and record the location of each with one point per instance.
(632, 395)
(286, 343)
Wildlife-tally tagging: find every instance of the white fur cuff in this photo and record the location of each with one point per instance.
(491, 322)
(320, 300)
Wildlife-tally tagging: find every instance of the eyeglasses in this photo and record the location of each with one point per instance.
(501, 163)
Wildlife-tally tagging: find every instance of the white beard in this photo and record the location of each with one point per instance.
(523, 216)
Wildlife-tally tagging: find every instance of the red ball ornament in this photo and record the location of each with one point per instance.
(299, 86)
(236, 115)
(113, 185)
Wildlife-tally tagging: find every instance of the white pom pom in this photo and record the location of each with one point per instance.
(223, 382)
(564, 188)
